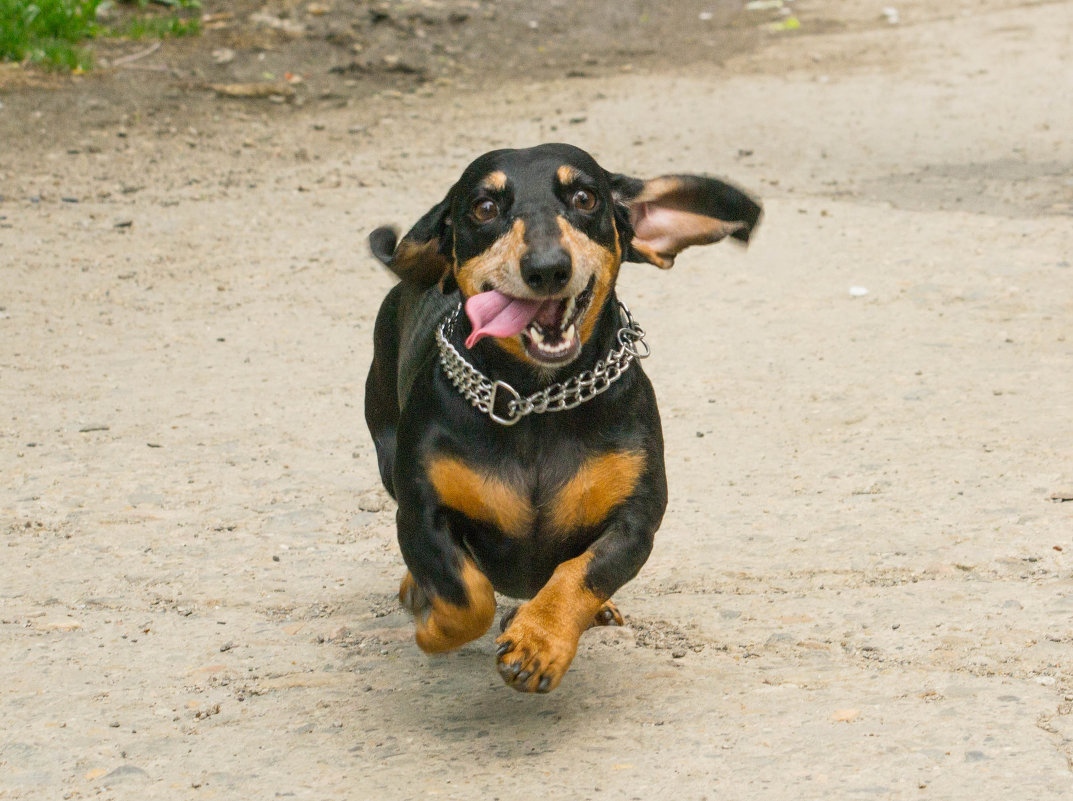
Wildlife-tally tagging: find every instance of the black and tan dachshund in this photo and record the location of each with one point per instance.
(512, 421)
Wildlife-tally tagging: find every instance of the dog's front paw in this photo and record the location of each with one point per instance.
(442, 626)
(533, 657)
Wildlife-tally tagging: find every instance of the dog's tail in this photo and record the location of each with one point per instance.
(382, 242)
(414, 261)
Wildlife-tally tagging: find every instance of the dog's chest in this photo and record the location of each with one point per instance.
(538, 498)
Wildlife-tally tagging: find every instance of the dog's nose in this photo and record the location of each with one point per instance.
(546, 271)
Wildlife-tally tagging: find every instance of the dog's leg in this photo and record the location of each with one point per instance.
(443, 626)
(607, 615)
(539, 643)
(451, 600)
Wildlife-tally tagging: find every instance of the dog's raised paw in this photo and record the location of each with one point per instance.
(442, 626)
(531, 658)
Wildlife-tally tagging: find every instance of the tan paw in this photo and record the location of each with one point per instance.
(533, 656)
(442, 626)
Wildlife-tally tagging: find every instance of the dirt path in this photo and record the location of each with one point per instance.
(861, 589)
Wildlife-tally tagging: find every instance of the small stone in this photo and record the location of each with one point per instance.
(338, 633)
(373, 502)
(58, 625)
(125, 773)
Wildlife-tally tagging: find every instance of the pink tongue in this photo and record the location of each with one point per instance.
(494, 314)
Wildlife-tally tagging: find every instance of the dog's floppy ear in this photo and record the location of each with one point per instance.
(668, 214)
(424, 254)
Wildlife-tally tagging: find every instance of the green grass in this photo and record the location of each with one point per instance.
(53, 32)
(48, 31)
(155, 27)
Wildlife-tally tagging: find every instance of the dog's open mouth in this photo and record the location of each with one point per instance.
(548, 328)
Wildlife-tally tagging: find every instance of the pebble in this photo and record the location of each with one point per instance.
(125, 772)
(372, 502)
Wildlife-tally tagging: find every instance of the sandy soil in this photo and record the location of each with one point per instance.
(861, 589)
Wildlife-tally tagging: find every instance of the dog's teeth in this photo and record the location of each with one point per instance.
(551, 345)
(569, 313)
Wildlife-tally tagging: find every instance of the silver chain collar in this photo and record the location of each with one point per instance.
(482, 392)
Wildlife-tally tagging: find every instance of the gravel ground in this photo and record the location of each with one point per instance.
(862, 586)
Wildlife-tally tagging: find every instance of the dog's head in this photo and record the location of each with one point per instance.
(534, 239)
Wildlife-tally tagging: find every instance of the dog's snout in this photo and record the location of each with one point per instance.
(546, 271)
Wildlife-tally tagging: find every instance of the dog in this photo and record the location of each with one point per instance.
(511, 418)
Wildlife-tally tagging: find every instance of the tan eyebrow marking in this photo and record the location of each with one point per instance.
(567, 174)
(495, 180)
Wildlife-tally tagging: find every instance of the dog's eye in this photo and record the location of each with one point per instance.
(484, 210)
(583, 201)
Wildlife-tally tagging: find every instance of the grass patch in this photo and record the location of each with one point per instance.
(48, 31)
(155, 27)
(54, 32)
